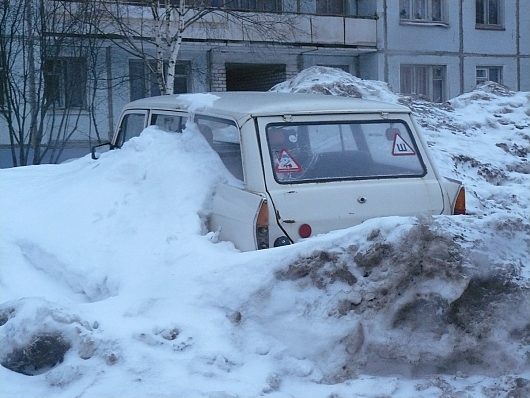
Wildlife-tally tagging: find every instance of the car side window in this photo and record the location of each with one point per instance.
(223, 136)
(171, 123)
(132, 124)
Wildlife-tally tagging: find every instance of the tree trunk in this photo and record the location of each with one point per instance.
(174, 42)
(32, 94)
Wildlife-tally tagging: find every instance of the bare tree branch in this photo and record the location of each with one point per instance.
(32, 34)
(163, 28)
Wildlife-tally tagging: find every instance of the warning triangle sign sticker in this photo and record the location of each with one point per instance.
(401, 148)
(286, 163)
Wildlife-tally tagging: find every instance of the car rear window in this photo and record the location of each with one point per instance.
(343, 150)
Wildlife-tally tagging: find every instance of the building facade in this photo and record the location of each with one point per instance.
(437, 49)
(443, 48)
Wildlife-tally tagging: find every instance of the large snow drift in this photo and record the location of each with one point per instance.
(110, 286)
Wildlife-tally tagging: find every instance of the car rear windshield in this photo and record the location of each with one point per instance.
(302, 152)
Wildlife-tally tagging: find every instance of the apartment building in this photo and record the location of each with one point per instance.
(419, 45)
(433, 48)
(437, 49)
(442, 48)
(220, 56)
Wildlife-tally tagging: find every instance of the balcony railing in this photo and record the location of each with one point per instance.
(294, 29)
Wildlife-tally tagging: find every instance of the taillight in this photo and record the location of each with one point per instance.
(305, 231)
(262, 226)
(460, 202)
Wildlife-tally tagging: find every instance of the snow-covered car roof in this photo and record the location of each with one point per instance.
(241, 105)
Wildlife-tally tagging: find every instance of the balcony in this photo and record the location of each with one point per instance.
(290, 29)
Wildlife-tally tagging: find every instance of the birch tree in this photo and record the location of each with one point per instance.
(162, 24)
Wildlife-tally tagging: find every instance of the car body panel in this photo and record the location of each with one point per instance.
(329, 202)
(233, 215)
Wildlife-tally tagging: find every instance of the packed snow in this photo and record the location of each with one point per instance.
(110, 285)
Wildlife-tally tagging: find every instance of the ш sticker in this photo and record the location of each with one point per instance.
(401, 148)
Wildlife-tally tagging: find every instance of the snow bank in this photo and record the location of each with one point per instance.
(332, 81)
(407, 298)
(110, 284)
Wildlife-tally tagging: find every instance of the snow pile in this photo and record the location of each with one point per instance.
(483, 139)
(409, 298)
(331, 81)
(111, 286)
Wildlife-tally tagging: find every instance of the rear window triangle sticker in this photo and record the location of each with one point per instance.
(286, 163)
(401, 148)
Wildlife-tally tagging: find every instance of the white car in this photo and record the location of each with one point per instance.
(307, 164)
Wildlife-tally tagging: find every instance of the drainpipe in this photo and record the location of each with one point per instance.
(461, 44)
(110, 105)
(32, 93)
(385, 40)
(518, 40)
(209, 69)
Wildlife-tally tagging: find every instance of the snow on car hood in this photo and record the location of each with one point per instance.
(110, 284)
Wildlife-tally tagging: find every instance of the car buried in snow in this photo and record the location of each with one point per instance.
(306, 164)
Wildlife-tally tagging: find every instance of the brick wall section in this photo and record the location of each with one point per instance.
(218, 77)
(291, 70)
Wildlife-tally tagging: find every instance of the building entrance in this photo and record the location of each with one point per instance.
(253, 77)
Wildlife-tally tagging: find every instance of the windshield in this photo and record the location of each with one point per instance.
(342, 150)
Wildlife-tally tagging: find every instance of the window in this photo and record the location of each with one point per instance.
(189, 3)
(168, 121)
(65, 81)
(488, 13)
(254, 5)
(143, 81)
(489, 73)
(203, 3)
(132, 124)
(3, 88)
(331, 7)
(422, 10)
(342, 150)
(4, 83)
(427, 81)
(223, 137)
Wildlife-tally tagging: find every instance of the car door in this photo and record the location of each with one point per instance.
(335, 171)
(234, 217)
(235, 211)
